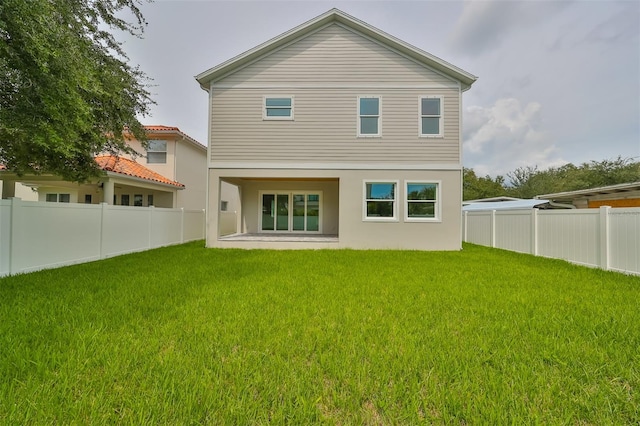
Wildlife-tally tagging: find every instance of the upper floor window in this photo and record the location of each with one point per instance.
(369, 123)
(430, 116)
(380, 200)
(278, 108)
(423, 201)
(157, 152)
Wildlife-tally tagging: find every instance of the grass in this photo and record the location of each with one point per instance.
(183, 335)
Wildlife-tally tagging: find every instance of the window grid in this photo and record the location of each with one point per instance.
(430, 122)
(422, 201)
(278, 107)
(380, 200)
(369, 116)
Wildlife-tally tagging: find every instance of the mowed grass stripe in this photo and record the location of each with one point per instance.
(202, 336)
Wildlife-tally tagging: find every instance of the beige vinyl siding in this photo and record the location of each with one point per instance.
(325, 127)
(334, 55)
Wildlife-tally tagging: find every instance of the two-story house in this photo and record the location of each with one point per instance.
(171, 173)
(337, 135)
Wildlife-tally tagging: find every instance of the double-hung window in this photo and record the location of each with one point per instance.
(277, 108)
(369, 116)
(430, 119)
(380, 200)
(422, 201)
(157, 152)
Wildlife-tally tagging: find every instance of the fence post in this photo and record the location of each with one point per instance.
(103, 217)
(181, 225)
(534, 231)
(465, 225)
(14, 225)
(150, 228)
(204, 224)
(493, 228)
(604, 237)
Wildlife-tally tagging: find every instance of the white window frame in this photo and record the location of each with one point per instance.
(379, 116)
(166, 147)
(396, 200)
(58, 197)
(290, 195)
(437, 201)
(277, 118)
(441, 117)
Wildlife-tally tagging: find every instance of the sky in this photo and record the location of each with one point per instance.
(558, 81)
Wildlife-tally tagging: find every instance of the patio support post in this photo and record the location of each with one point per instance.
(107, 191)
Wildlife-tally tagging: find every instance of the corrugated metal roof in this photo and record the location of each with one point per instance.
(504, 205)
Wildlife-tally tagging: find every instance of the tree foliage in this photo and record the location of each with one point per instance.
(475, 187)
(67, 91)
(527, 182)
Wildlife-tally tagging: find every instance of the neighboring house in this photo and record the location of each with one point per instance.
(171, 173)
(336, 134)
(622, 195)
(513, 204)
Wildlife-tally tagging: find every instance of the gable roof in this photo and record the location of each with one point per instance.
(124, 166)
(156, 129)
(336, 16)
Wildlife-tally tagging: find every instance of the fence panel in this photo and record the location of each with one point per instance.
(607, 238)
(126, 230)
(624, 240)
(5, 236)
(46, 235)
(166, 227)
(193, 225)
(513, 230)
(572, 235)
(479, 228)
(37, 235)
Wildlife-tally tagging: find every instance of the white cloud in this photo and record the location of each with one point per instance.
(484, 25)
(506, 135)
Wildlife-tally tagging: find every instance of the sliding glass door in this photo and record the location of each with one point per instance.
(297, 211)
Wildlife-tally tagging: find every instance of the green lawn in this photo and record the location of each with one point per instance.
(184, 335)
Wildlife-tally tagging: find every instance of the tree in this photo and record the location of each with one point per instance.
(527, 182)
(67, 91)
(475, 187)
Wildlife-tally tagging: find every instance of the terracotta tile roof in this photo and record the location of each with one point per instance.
(111, 163)
(160, 128)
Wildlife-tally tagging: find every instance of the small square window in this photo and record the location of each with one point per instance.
(430, 116)
(380, 201)
(88, 198)
(157, 152)
(278, 108)
(369, 116)
(137, 200)
(150, 200)
(124, 199)
(224, 206)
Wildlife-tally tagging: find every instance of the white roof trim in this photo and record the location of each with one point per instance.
(334, 15)
(594, 191)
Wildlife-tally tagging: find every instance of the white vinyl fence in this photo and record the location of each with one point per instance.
(607, 238)
(39, 235)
